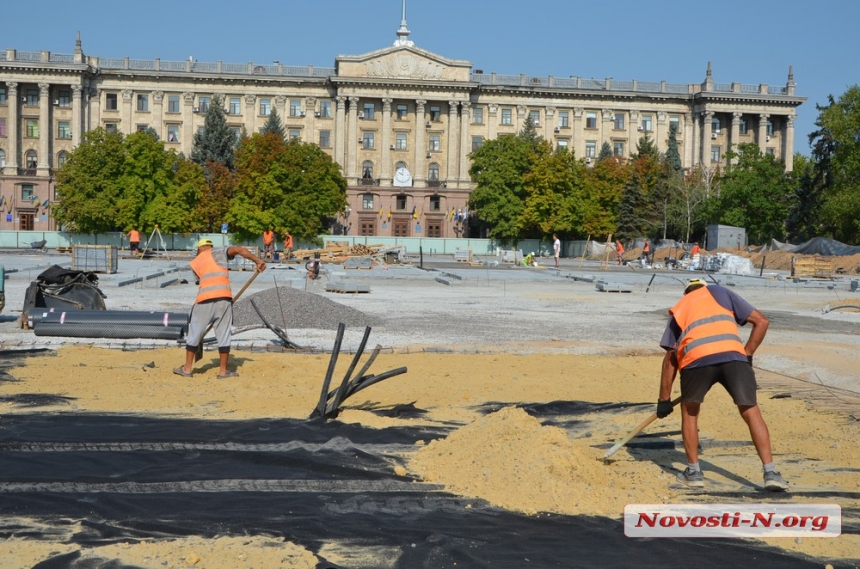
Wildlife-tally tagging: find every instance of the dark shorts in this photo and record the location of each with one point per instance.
(737, 377)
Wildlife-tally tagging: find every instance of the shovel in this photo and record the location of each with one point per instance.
(635, 432)
(198, 355)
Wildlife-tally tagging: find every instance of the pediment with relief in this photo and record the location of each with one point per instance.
(404, 63)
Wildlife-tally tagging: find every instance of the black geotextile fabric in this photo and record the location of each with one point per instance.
(310, 482)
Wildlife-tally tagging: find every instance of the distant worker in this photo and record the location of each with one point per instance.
(288, 244)
(695, 250)
(268, 243)
(529, 260)
(701, 340)
(646, 252)
(619, 252)
(134, 241)
(214, 303)
(556, 248)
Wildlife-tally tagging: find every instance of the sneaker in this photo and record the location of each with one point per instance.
(693, 478)
(774, 482)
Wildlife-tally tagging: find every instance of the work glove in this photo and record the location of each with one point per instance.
(664, 408)
(749, 359)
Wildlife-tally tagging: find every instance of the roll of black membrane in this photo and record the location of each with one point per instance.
(107, 330)
(125, 317)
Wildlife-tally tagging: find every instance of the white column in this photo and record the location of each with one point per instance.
(578, 142)
(352, 143)
(127, 97)
(12, 131)
(310, 120)
(465, 144)
(250, 113)
(697, 139)
(340, 133)
(606, 128)
(762, 131)
(384, 174)
(451, 150)
(46, 129)
(77, 115)
(788, 143)
(661, 134)
(689, 137)
(158, 114)
(420, 137)
(735, 135)
(187, 139)
(633, 132)
(492, 117)
(706, 138)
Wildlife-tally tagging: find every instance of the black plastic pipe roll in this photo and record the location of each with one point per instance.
(108, 330)
(126, 317)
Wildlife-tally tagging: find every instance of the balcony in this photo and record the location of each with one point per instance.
(368, 182)
(435, 184)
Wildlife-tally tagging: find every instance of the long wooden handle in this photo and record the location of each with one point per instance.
(245, 287)
(636, 431)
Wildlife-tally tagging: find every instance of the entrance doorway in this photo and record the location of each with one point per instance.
(27, 221)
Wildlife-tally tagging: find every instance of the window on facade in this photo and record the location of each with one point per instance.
(402, 112)
(618, 121)
(433, 172)
(63, 130)
(2, 126)
(715, 153)
(477, 141)
(203, 104)
(2, 158)
(743, 127)
(646, 123)
(591, 120)
(367, 170)
(235, 106)
(31, 159)
(64, 98)
(506, 116)
(32, 128)
(111, 102)
(770, 151)
(27, 192)
(769, 128)
(563, 144)
(563, 119)
(590, 149)
(33, 97)
(3, 95)
(715, 124)
(265, 107)
(173, 133)
(294, 134)
(400, 202)
(478, 115)
(400, 141)
(535, 116)
(435, 114)
(61, 158)
(142, 102)
(295, 108)
(677, 122)
(173, 103)
(435, 203)
(141, 127)
(201, 130)
(110, 127)
(367, 201)
(367, 141)
(325, 139)
(325, 109)
(618, 148)
(435, 144)
(369, 111)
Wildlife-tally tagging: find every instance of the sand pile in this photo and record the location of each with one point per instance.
(509, 459)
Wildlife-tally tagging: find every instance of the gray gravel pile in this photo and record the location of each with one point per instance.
(301, 309)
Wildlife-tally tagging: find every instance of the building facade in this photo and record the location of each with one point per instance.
(400, 121)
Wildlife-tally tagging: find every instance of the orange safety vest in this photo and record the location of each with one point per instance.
(619, 248)
(268, 237)
(214, 279)
(707, 328)
(288, 241)
(695, 250)
(133, 236)
(646, 248)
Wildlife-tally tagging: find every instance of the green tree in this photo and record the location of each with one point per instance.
(646, 191)
(756, 193)
(605, 152)
(147, 173)
(274, 124)
(804, 219)
(529, 132)
(286, 186)
(217, 143)
(555, 201)
(88, 187)
(604, 186)
(673, 156)
(690, 194)
(498, 170)
(174, 209)
(214, 203)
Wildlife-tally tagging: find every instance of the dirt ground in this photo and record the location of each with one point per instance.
(506, 457)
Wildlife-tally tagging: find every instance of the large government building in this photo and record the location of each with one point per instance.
(401, 121)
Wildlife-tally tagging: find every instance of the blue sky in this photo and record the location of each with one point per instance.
(751, 41)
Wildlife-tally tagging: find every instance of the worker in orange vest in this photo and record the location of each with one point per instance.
(214, 303)
(268, 243)
(288, 244)
(134, 241)
(695, 250)
(619, 251)
(646, 251)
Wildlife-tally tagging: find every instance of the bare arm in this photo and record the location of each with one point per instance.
(242, 252)
(667, 374)
(760, 324)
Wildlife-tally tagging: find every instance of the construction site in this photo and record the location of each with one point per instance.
(396, 410)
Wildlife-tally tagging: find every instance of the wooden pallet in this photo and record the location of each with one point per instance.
(812, 267)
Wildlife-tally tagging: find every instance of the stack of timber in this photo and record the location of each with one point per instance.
(812, 267)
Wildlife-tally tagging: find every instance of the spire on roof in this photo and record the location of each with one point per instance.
(403, 31)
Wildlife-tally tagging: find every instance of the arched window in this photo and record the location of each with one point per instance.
(399, 166)
(31, 159)
(61, 158)
(2, 158)
(367, 170)
(433, 173)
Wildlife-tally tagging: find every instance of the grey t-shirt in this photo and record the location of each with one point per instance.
(729, 300)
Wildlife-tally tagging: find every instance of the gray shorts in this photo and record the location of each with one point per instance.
(737, 377)
(219, 313)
